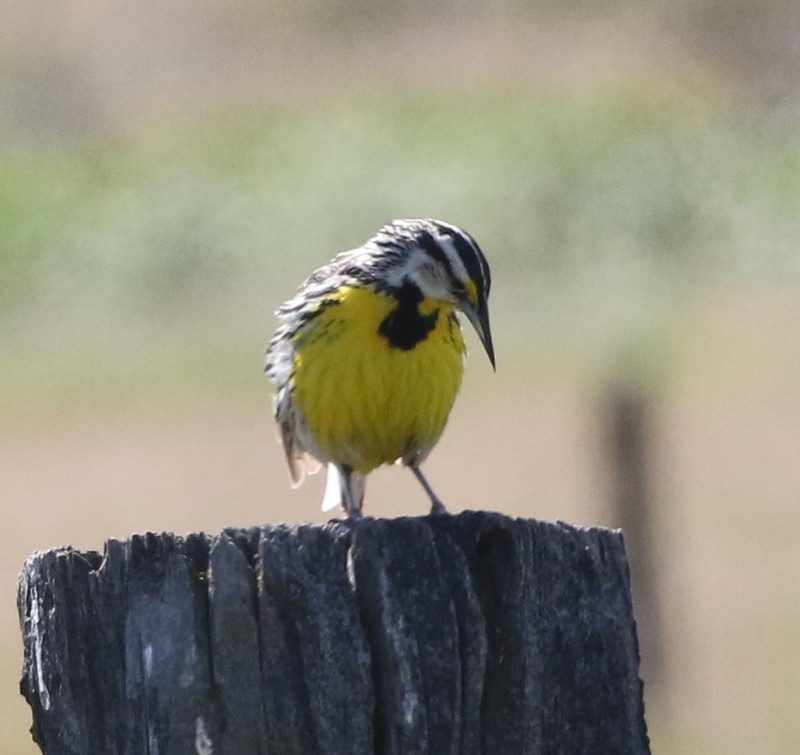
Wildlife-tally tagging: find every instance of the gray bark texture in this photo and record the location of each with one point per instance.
(449, 635)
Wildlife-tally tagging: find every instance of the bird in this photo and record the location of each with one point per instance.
(368, 355)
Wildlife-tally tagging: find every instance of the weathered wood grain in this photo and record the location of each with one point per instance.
(469, 634)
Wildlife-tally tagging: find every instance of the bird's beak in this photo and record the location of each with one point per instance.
(479, 317)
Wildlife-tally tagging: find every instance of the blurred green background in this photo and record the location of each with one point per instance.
(169, 172)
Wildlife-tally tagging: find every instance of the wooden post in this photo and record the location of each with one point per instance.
(475, 633)
(629, 445)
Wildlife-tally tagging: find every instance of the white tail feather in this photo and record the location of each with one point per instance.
(332, 497)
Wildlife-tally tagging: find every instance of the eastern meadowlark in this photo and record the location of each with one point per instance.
(368, 356)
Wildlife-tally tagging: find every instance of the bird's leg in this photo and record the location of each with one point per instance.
(437, 507)
(351, 498)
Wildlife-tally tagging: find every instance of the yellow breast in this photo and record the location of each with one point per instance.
(364, 401)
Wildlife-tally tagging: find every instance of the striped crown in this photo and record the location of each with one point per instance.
(440, 259)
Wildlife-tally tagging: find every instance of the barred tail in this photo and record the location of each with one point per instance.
(300, 462)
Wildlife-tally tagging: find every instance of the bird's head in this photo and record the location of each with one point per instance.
(444, 263)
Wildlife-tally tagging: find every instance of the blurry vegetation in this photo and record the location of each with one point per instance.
(187, 167)
(599, 213)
